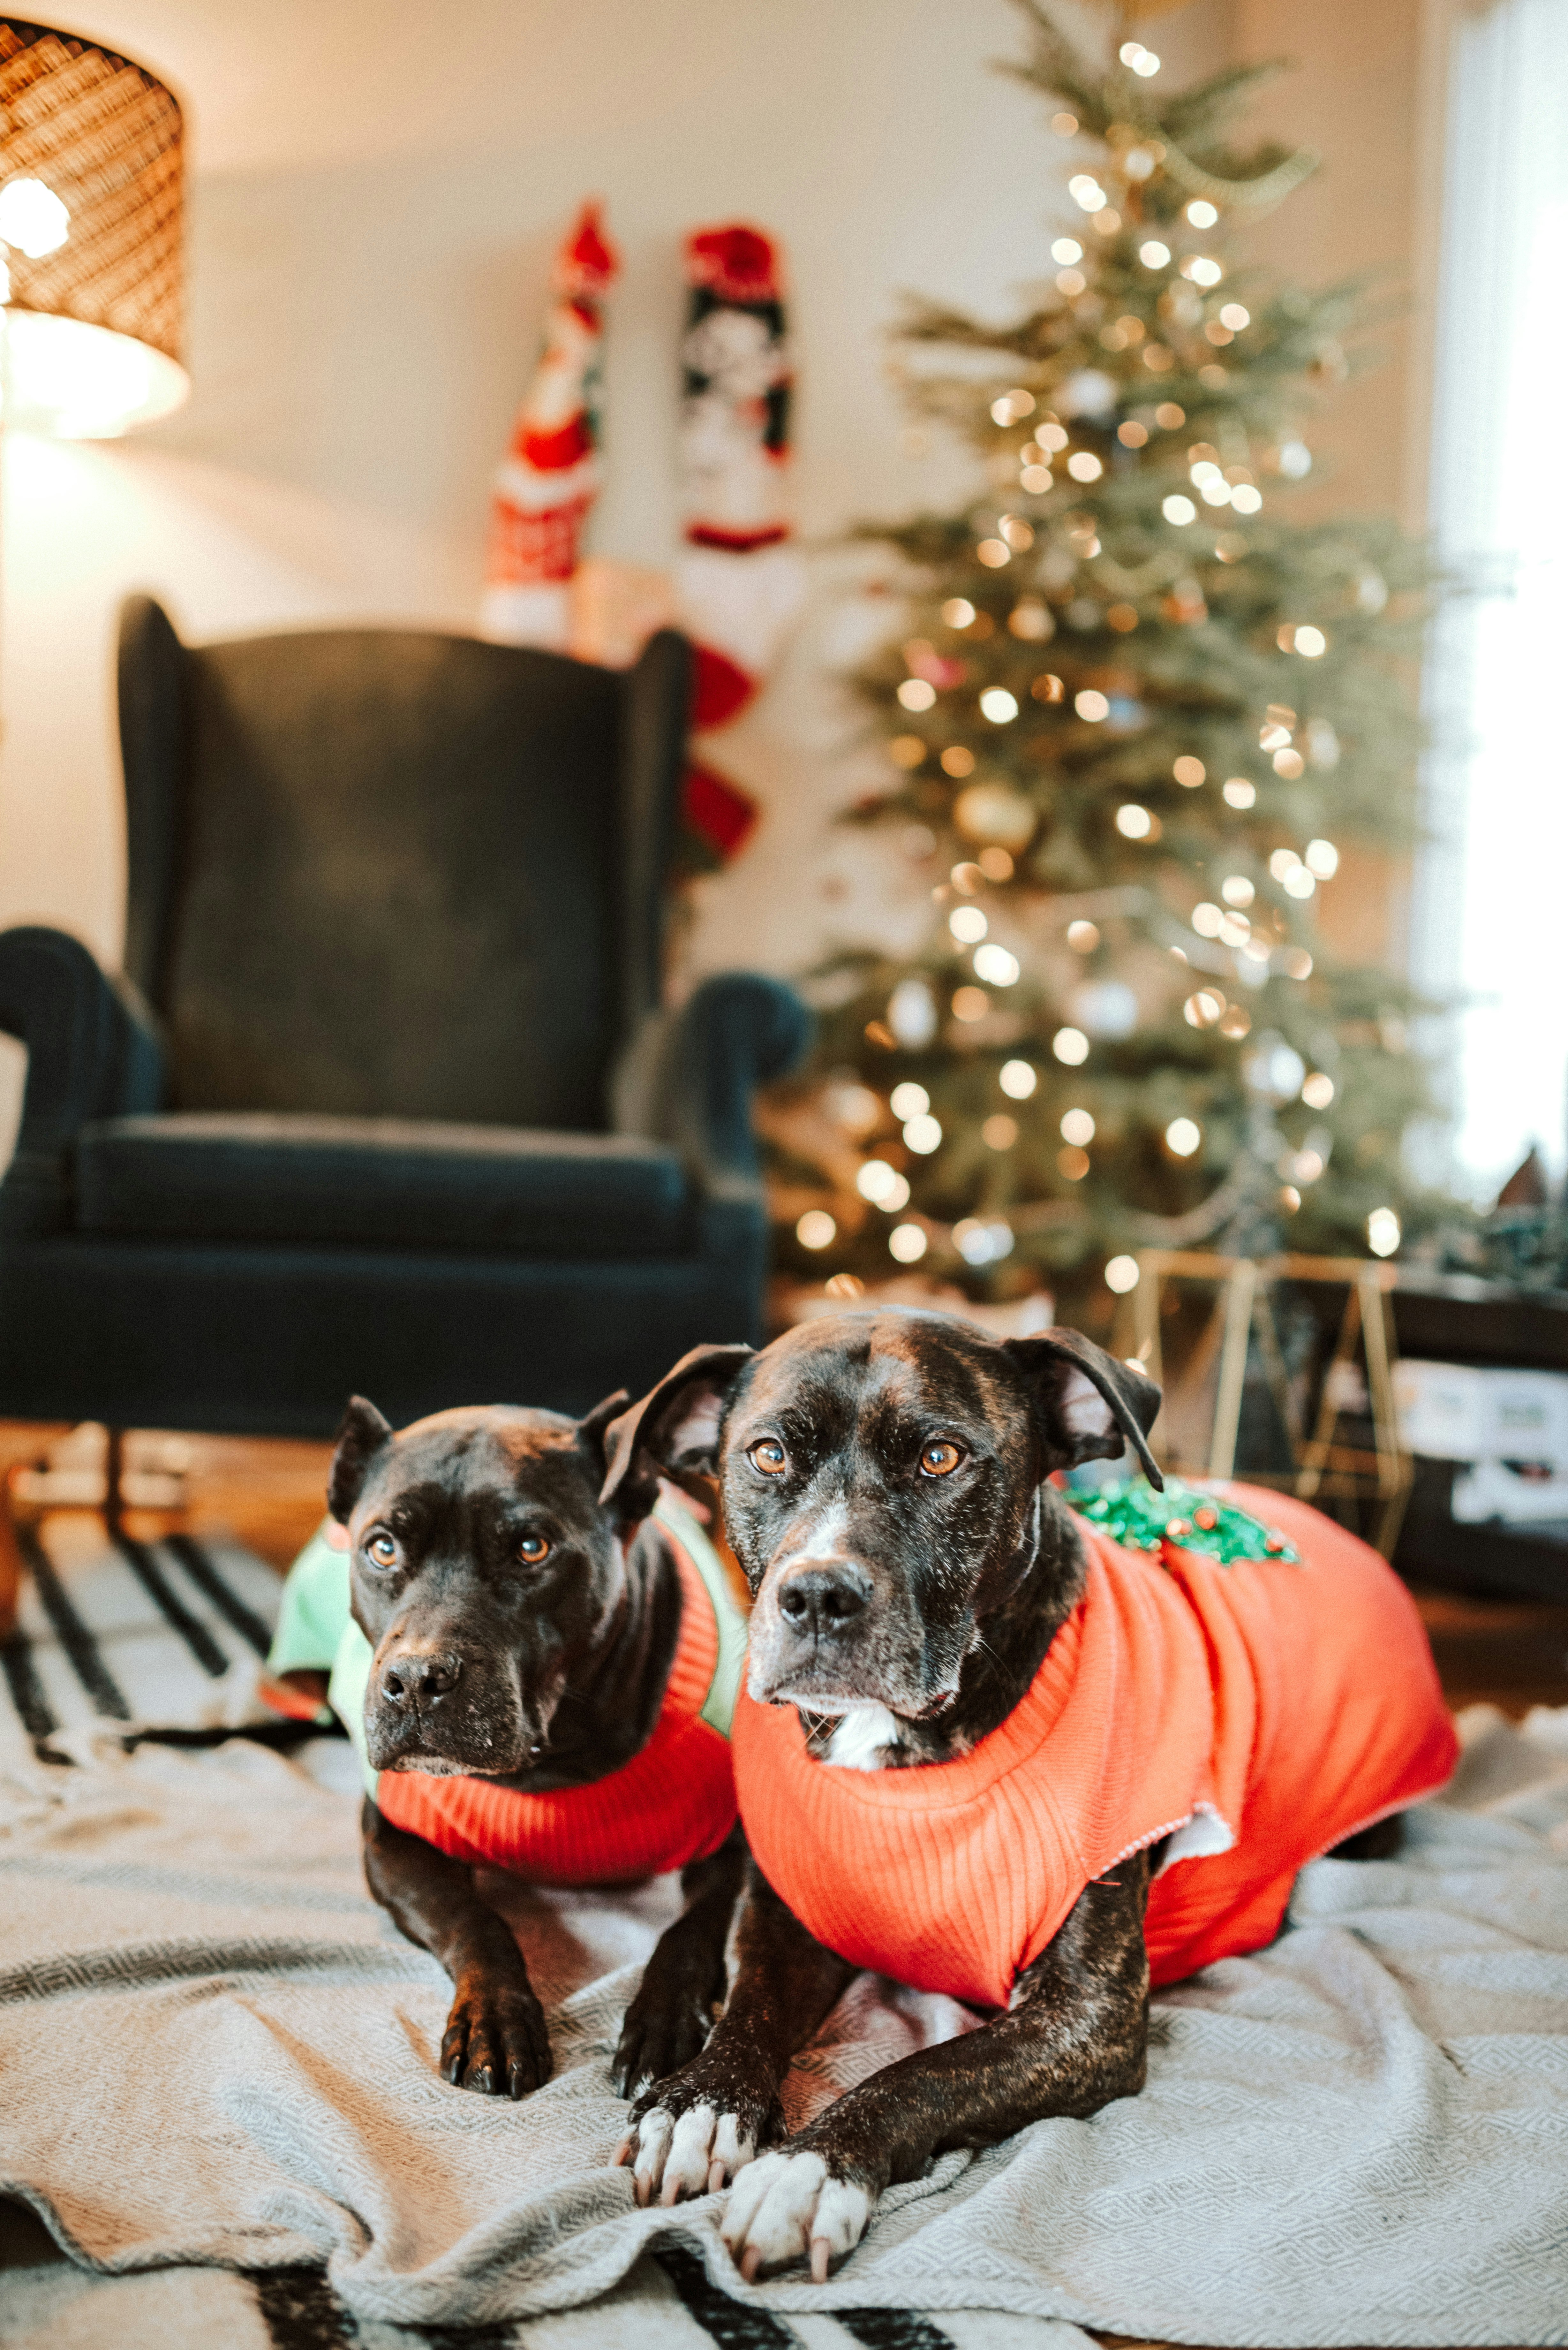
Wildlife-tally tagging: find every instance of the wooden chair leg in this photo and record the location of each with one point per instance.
(10, 1562)
(114, 1479)
(20, 1445)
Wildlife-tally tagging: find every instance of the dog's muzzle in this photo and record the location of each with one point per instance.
(415, 1681)
(431, 1709)
(824, 1599)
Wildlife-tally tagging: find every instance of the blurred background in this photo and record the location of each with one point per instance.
(1104, 461)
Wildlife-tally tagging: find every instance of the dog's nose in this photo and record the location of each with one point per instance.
(817, 1601)
(418, 1680)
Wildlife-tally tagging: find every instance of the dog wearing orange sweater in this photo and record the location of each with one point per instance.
(988, 1750)
(536, 1681)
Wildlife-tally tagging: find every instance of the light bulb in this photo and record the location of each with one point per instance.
(1383, 1232)
(32, 218)
(996, 966)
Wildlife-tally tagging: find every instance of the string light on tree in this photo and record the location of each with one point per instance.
(1119, 1026)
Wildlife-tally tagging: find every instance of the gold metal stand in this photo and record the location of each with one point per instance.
(1327, 1469)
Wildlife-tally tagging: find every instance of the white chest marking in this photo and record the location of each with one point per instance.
(857, 1743)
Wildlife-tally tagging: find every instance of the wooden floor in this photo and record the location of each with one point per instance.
(272, 1493)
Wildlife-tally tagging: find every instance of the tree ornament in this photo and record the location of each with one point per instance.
(995, 815)
(912, 1014)
(1089, 392)
(1103, 1007)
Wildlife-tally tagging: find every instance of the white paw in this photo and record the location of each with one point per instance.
(648, 2151)
(786, 2205)
(695, 2155)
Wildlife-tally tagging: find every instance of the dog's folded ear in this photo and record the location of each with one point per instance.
(1090, 1405)
(592, 1429)
(675, 1426)
(360, 1438)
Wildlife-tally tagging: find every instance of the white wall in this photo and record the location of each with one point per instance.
(376, 191)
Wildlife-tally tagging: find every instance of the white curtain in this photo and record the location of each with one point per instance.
(1490, 905)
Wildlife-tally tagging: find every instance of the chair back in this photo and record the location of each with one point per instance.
(397, 873)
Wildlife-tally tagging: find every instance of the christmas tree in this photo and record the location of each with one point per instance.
(1131, 714)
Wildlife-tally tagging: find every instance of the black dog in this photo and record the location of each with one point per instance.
(524, 1633)
(883, 1484)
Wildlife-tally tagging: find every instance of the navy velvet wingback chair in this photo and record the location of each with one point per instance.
(385, 1099)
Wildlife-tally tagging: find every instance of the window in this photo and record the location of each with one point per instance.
(1490, 907)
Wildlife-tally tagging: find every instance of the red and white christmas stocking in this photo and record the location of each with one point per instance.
(549, 477)
(738, 583)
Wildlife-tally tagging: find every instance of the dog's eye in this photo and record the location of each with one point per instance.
(768, 1456)
(533, 1550)
(941, 1457)
(381, 1550)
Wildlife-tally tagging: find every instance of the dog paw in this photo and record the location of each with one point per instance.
(787, 2204)
(496, 2040)
(690, 2133)
(661, 2035)
(674, 2156)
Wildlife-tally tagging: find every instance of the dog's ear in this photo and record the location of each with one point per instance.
(360, 1438)
(1090, 1404)
(675, 1426)
(591, 1429)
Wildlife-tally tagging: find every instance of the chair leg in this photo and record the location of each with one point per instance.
(21, 1446)
(10, 1562)
(114, 1479)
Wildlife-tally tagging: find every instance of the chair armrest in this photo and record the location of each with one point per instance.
(92, 1052)
(691, 1076)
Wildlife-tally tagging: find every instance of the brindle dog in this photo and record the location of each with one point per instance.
(883, 1486)
(523, 1632)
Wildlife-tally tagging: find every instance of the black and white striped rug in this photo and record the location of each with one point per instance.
(130, 1638)
(665, 2303)
(125, 1635)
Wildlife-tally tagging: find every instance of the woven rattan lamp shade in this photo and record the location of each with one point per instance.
(92, 202)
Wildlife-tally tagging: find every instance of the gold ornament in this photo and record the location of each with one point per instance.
(995, 814)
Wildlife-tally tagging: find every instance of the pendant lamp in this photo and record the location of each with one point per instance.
(92, 279)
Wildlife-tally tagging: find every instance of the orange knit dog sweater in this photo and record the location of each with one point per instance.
(1257, 1713)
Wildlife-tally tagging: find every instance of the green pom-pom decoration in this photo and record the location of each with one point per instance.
(1190, 1517)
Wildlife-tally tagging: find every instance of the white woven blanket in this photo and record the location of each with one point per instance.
(214, 2049)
